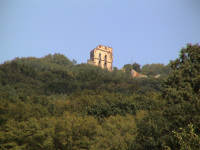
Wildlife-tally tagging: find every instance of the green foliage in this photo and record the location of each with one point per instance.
(187, 139)
(47, 63)
(127, 69)
(148, 69)
(117, 132)
(156, 69)
(55, 103)
(183, 83)
(136, 67)
(151, 130)
(71, 132)
(24, 135)
(111, 107)
(181, 88)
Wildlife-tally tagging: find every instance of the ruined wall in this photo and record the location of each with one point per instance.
(137, 75)
(102, 56)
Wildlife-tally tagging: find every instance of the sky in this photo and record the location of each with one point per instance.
(141, 31)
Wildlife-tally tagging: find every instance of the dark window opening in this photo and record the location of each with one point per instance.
(99, 59)
(105, 59)
(105, 65)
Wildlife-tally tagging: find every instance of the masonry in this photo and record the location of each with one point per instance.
(102, 56)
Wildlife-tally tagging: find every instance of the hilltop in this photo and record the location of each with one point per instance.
(55, 103)
(57, 74)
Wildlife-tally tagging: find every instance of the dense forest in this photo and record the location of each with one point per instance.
(54, 103)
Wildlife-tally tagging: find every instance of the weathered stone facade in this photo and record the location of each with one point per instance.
(102, 56)
(137, 75)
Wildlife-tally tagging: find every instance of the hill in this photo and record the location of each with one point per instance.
(54, 103)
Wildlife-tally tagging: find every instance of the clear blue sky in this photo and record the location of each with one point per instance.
(146, 31)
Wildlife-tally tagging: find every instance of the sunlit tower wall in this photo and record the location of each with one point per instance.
(102, 56)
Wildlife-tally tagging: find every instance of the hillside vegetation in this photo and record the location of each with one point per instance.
(54, 103)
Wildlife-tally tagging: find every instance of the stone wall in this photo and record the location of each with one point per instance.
(137, 75)
(102, 56)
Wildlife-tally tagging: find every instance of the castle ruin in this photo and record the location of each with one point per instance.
(137, 75)
(102, 56)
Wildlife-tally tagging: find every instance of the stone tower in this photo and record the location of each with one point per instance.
(102, 56)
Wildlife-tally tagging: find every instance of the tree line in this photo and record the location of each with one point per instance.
(55, 103)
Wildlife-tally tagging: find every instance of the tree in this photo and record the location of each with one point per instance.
(181, 90)
(74, 61)
(187, 139)
(183, 83)
(136, 67)
(127, 69)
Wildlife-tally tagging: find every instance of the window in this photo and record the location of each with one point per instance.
(105, 61)
(105, 65)
(105, 58)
